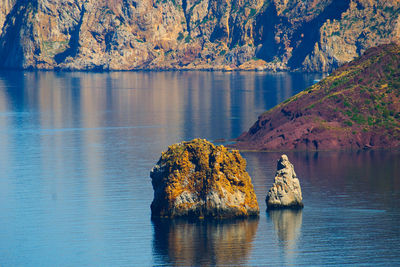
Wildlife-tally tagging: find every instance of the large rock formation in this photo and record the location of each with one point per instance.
(356, 107)
(198, 179)
(286, 191)
(192, 34)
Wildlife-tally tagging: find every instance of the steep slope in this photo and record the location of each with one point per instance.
(192, 34)
(356, 107)
(120, 34)
(365, 24)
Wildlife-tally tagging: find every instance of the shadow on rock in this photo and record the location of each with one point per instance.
(203, 242)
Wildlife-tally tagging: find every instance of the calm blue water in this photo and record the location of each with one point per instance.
(76, 150)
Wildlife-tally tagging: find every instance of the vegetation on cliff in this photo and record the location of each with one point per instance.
(356, 107)
(198, 179)
(192, 34)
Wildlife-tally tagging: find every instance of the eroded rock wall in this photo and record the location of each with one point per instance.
(363, 25)
(5, 8)
(191, 34)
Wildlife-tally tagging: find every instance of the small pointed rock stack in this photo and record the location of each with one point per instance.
(286, 191)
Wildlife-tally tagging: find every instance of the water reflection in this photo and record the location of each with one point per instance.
(287, 225)
(192, 104)
(203, 243)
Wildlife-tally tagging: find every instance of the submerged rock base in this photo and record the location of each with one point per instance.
(199, 179)
(286, 191)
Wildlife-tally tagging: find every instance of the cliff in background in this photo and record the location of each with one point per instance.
(356, 107)
(5, 8)
(315, 35)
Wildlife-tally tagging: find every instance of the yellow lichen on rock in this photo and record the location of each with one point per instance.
(199, 179)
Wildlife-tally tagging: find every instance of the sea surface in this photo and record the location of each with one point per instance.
(76, 150)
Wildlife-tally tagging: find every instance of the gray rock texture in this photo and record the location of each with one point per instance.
(286, 191)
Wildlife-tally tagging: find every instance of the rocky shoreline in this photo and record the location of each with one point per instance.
(248, 67)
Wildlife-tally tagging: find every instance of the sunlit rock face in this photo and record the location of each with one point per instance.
(125, 35)
(187, 34)
(364, 24)
(5, 8)
(286, 191)
(199, 179)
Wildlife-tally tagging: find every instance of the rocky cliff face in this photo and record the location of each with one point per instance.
(5, 8)
(198, 179)
(356, 107)
(191, 34)
(363, 25)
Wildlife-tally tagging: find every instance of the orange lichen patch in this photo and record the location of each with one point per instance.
(174, 189)
(200, 179)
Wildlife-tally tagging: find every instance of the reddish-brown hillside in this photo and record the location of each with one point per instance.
(356, 107)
